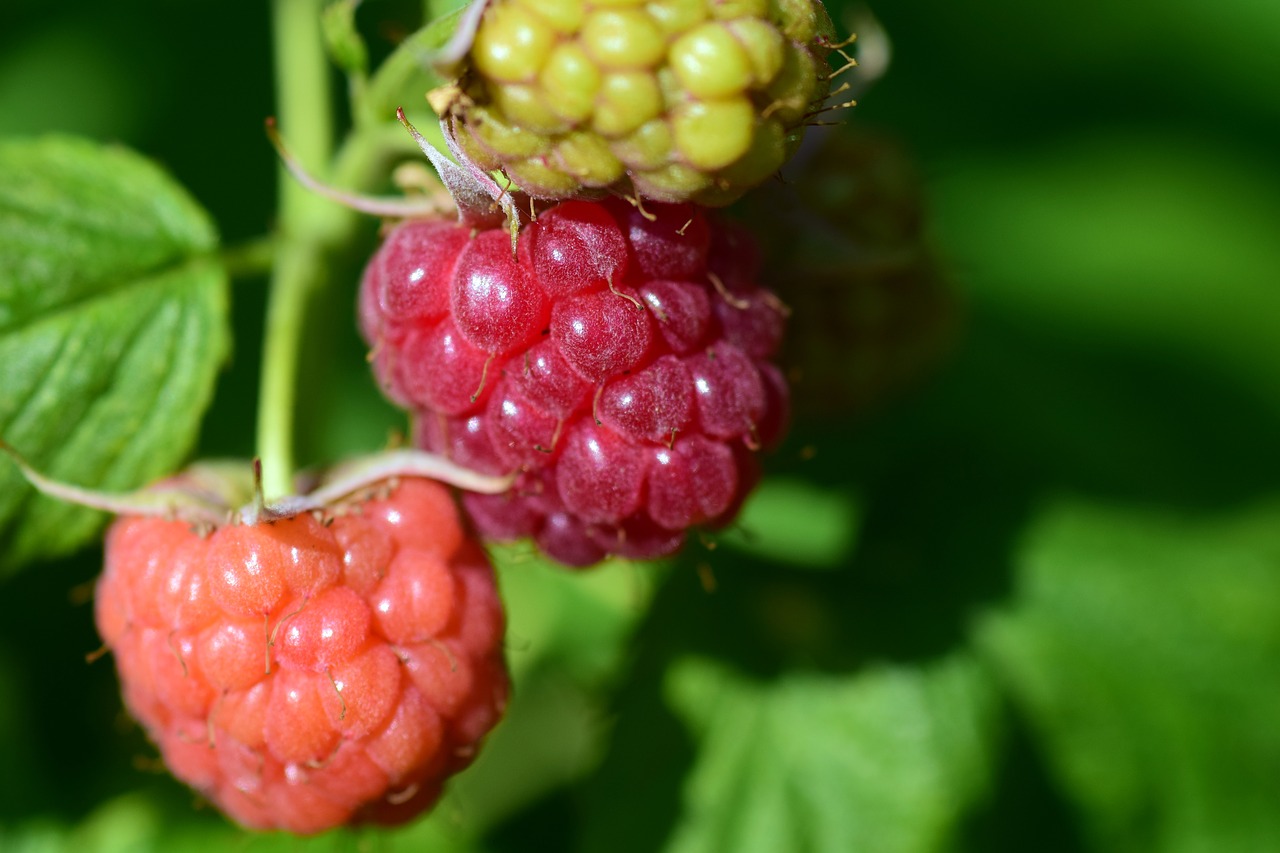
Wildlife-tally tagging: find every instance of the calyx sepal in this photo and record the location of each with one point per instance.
(215, 493)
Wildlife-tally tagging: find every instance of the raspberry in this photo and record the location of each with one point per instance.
(674, 100)
(848, 245)
(628, 396)
(310, 671)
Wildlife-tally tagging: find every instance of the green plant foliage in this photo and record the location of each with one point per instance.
(342, 39)
(792, 521)
(1032, 604)
(1145, 650)
(40, 90)
(889, 760)
(112, 327)
(1123, 232)
(567, 637)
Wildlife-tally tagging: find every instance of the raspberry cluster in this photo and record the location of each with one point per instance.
(618, 362)
(674, 100)
(336, 665)
(307, 673)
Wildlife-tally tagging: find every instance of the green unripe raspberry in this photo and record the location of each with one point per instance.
(669, 85)
(676, 16)
(674, 100)
(710, 62)
(793, 89)
(764, 46)
(536, 173)
(588, 157)
(872, 309)
(647, 148)
(670, 179)
(802, 20)
(623, 38)
(513, 44)
(728, 9)
(526, 107)
(627, 100)
(575, 79)
(564, 16)
(713, 134)
(765, 155)
(504, 142)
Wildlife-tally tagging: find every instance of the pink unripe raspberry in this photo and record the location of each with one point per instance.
(327, 668)
(617, 362)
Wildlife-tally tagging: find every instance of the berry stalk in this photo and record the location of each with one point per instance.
(306, 225)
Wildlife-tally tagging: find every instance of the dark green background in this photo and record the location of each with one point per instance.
(1083, 499)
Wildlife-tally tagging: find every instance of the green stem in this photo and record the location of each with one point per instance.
(387, 86)
(250, 258)
(306, 226)
(309, 227)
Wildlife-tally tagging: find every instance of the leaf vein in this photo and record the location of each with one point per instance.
(103, 289)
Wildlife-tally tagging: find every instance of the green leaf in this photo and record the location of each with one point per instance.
(567, 634)
(67, 76)
(889, 760)
(576, 622)
(792, 521)
(1145, 650)
(1132, 237)
(443, 8)
(113, 323)
(407, 72)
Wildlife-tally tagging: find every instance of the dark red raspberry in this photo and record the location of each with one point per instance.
(847, 240)
(618, 361)
(309, 672)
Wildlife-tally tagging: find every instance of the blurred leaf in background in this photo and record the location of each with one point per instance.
(1145, 649)
(891, 760)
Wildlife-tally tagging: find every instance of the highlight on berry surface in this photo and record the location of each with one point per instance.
(669, 101)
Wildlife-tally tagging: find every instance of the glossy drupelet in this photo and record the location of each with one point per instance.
(618, 361)
(313, 671)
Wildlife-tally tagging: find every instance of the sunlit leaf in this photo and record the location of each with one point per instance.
(792, 521)
(887, 760)
(112, 328)
(1130, 237)
(1145, 650)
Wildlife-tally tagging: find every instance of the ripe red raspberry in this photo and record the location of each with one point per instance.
(307, 672)
(618, 362)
